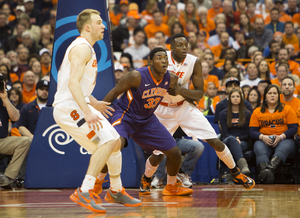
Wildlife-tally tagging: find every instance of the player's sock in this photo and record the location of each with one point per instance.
(114, 164)
(149, 169)
(171, 180)
(116, 184)
(88, 183)
(101, 176)
(226, 157)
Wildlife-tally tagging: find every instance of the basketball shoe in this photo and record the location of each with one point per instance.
(185, 179)
(122, 197)
(145, 185)
(98, 186)
(177, 190)
(89, 200)
(240, 178)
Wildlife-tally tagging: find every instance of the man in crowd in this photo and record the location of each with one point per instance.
(275, 24)
(209, 58)
(274, 49)
(158, 25)
(262, 36)
(215, 39)
(287, 96)
(28, 86)
(217, 49)
(282, 71)
(253, 78)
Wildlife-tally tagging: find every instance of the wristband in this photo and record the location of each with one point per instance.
(281, 137)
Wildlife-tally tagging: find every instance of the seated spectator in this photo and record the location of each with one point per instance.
(244, 50)
(287, 97)
(193, 150)
(4, 70)
(262, 85)
(205, 22)
(273, 126)
(139, 50)
(119, 72)
(239, 39)
(192, 40)
(217, 49)
(152, 43)
(6, 8)
(245, 90)
(251, 6)
(278, 37)
(215, 39)
(274, 50)
(262, 36)
(126, 61)
(206, 102)
(6, 30)
(263, 70)
(244, 23)
(34, 30)
(292, 8)
(36, 68)
(175, 28)
(275, 24)
(257, 58)
(32, 58)
(241, 9)
(221, 95)
(45, 60)
(16, 71)
(18, 85)
(115, 19)
(234, 122)
(207, 78)
(266, 8)
(28, 41)
(216, 9)
(36, 16)
(283, 16)
(201, 40)
(209, 59)
(227, 65)
(23, 54)
(289, 36)
(228, 12)
(156, 26)
(147, 14)
(291, 49)
(30, 113)
(14, 40)
(171, 15)
(254, 98)
(252, 73)
(233, 72)
(198, 53)
(45, 38)
(231, 83)
(190, 12)
(18, 147)
(28, 86)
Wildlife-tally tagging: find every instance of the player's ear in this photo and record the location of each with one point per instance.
(151, 62)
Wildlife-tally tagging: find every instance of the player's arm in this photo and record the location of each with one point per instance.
(128, 81)
(173, 80)
(101, 106)
(79, 56)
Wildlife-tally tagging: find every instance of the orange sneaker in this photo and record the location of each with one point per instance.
(88, 200)
(145, 186)
(240, 178)
(176, 190)
(122, 197)
(98, 186)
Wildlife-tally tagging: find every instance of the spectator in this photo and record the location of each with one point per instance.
(262, 85)
(209, 59)
(171, 15)
(233, 72)
(119, 72)
(273, 126)
(23, 56)
(243, 51)
(252, 73)
(239, 39)
(152, 43)
(18, 85)
(206, 102)
(278, 37)
(6, 8)
(156, 26)
(292, 8)
(192, 40)
(36, 16)
(28, 41)
(139, 50)
(126, 61)
(175, 28)
(122, 36)
(290, 37)
(215, 39)
(45, 60)
(18, 147)
(228, 64)
(245, 90)
(34, 30)
(281, 72)
(115, 19)
(202, 3)
(266, 8)
(254, 97)
(45, 38)
(4, 70)
(262, 36)
(16, 70)
(36, 68)
(242, 9)
(161, 38)
(32, 58)
(16, 98)
(180, 5)
(283, 55)
(208, 78)
(148, 12)
(221, 95)
(217, 49)
(5, 30)
(287, 97)
(234, 122)
(291, 50)
(28, 86)
(228, 12)
(30, 113)
(283, 16)
(201, 40)
(263, 70)
(231, 83)
(205, 22)
(189, 13)
(251, 6)
(274, 50)
(296, 20)
(14, 40)
(216, 9)
(275, 24)
(244, 23)
(257, 58)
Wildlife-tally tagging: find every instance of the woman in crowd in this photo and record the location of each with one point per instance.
(4, 70)
(234, 123)
(175, 28)
(245, 90)
(188, 13)
(264, 70)
(228, 64)
(254, 97)
(126, 61)
(245, 23)
(273, 126)
(205, 23)
(16, 98)
(36, 68)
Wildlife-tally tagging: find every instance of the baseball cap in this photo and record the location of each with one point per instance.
(124, 2)
(25, 1)
(43, 50)
(248, 36)
(239, 30)
(119, 66)
(42, 83)
(221, 89)
(232, 80)
(133, 14)
(21, 8)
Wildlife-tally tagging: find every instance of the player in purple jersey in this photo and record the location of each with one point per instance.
(143, 90)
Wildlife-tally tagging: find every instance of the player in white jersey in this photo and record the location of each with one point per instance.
(79, 114)
(177, 107)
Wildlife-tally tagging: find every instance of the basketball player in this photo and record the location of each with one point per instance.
(143, 90)
(78, 114)
(177, 109)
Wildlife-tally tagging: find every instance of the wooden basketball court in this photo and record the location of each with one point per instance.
(207, 201)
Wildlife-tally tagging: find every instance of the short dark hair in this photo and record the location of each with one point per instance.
(289, 22)
(287, 77)
(271, 43)
(275, 9)
(154, 51)
(136, 31)
(177, 35)
(249, 65)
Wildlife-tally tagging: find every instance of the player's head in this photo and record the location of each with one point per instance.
(159, 60)
(179, 45)
(89, 20)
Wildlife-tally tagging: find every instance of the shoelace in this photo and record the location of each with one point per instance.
(94, 196)
(124, 193)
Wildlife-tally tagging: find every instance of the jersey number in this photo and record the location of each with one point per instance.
(152, 103)
(74, 115)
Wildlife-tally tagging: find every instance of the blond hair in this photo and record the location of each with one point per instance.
(84, 17)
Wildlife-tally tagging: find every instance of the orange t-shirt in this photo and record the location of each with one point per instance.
(212, 13)
(151, 29)
(115, 19)
(14, 77)
(255, 16)
(273, 123)
(293, 40)
(211, 78)
(275, 81)
(45, 70)
(217, 50)
(296, 19)
(183, 21)
(294, 68)
(283, 18)
(147, 16)
(209, 27)
(216, 100)
(27, 95)
(294, 103)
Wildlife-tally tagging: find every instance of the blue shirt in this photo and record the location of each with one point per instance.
(217, 72)
(29, 116)
(279, 27)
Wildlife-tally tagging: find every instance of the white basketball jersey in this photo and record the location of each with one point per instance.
(87, 81)
(184, 71)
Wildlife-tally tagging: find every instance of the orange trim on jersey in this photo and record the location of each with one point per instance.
(86, 40)
(91, 134)
(130, 98)
(154, 80)
(174, 60)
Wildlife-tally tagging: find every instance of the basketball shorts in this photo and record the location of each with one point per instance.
(189, 118)
(71, 119)
(149, 134)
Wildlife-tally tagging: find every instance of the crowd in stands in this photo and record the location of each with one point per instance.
(244, 47)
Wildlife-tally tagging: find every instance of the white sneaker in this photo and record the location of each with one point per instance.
(156, 183)
(185, 179)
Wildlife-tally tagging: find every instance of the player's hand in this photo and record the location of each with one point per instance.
(176, 90)
(104, 108)
(93, 121)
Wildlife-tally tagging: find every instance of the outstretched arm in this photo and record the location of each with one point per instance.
(128, 81)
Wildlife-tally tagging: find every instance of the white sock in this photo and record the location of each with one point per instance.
(114, 164)
(116, 184)
(226, 157)
(149, 169)
(171, 180)
(88, 183)
(101, 176)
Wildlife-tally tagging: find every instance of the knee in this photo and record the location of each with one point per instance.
(173, 153)
(198, 148)
(26, 142)
(216, 144)
(117, 145)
